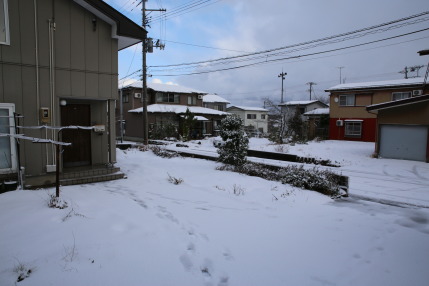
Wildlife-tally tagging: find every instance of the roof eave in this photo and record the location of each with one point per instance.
(126, 31)
(397, 103)
(418, 85)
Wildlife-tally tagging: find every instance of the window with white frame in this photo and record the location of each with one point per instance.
(4, 23)
(353, 129)
(347, 100)
(192, 100)
(7, 147)
(400, 95)
(262, 116)
(251, 116)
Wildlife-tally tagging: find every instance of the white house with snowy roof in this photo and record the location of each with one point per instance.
(255, 118)
(167, 106)
(302, 106)
(215, 101)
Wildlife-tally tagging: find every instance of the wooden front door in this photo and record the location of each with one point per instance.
(79, 153)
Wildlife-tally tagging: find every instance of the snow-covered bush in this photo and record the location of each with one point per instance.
(164, 153)
(56, 202)
(234, 150)
(174, 180)
(163, 131)
(22, 270)
(322, 181)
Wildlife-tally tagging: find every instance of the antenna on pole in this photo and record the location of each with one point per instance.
(282, 75)
(340, 68)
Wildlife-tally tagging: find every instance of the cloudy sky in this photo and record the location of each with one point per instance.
(208, 30)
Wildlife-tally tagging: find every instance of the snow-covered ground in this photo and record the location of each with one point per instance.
(389, 180)
(144, 230)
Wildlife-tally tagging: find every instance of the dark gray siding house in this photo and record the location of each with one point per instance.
(59, 67)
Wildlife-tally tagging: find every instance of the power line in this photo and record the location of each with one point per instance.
(190, 66)
(298, 56)
(303, 43)
(207, 47)
(190, 7)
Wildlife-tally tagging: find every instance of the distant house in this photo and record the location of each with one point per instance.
(59, 67)
(167, 105)
(302, 106)
(318, 123)
(255, 118)
(349, 119)
(403, 128)
(214, 101)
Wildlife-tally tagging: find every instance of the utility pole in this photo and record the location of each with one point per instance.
(340, 68)
(311, 86)
(282, 75)
(147, 47)
(405, 72)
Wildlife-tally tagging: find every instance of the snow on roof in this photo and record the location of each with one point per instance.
(214, 98)
(317, 111)
(375, 84)
(248, 108)
(165, 87)
(299, 102)
(178, 109)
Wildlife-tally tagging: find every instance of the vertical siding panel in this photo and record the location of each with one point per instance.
(27, 39)
(62, 34)
(91, 87)
(62, 83)
(34, 162)
(91, 43)
(77, 41)
(44, 13)
(78, 84)
(104, 47)
(114, 62)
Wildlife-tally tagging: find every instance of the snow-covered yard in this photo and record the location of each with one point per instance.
(144, 230)
(396, 181)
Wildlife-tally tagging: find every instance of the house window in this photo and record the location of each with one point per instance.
(220, 107)
(251, 116)
(4, 23)
(400, 95)
(262, 116)
(353, 129)
(125, 98)
(347, 100)
(167, 97)
(192, 100)
(7, 146)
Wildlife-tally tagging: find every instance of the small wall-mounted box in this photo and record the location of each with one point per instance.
(99, 128)
(45, 115)
(51, 168)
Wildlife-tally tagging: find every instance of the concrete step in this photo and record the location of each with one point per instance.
(92, 178)
(89, 173)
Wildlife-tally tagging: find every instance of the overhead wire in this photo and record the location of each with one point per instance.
(298, 56)
(184, 9)
(175, 68)
(303, 43)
